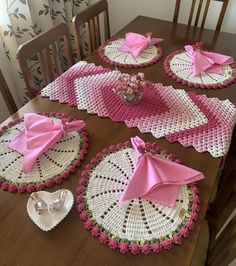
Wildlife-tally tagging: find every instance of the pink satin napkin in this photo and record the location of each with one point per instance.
(40, 134)
(202, 60)
(135, 43)
(157, 179)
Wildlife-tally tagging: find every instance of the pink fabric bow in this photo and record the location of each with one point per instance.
(40, 134)
(202, 60)
(157, 179)
(135, 43)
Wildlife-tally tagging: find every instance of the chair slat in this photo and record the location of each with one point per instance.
(191, 12)
(198, 12)
(90, 18)
(42, 45)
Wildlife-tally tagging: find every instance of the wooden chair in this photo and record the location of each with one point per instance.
(90, 18)
(7, 96)
(199, 8)
(46, 48)
(222, 218)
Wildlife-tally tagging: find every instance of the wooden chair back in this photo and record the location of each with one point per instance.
(199, 9)
(45, 47)
(222, 218)
(90, 18)
(7, 96)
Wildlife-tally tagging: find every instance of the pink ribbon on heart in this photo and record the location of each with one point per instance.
(157, 179)
(206, 61)
(39, 135)
(135, 43)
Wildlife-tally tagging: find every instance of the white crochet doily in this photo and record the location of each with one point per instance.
(134, 220)
(181, 66)
(51, 164)
(112, 52)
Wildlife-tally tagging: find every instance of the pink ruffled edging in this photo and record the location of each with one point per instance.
(14, 187)
(171, 74)
(116, 64)
(122, 245)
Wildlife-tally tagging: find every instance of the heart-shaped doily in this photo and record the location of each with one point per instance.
(49, 220)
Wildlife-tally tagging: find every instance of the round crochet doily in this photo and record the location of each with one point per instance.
(178, 66)
(136, 225)
(51, 168)
(110, 53)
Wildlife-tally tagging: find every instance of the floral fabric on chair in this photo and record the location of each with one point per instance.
(21, 20)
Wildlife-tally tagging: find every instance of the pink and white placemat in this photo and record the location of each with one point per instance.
(136, 225)
(51, 168)
(111, 54)
(193, 120)
(178, 66)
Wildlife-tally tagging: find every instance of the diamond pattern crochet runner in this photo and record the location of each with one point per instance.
(193, 120)
(178, 65)
(111, 54)
(52, 167)
(135, 225)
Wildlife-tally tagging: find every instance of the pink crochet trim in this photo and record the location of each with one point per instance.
(171, 74)
(116, 64)
(15, 187)
(123, 245)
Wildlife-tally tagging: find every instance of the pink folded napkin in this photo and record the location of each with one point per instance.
(135, 43)
(202, 60)
(157, 179)
(40, 134)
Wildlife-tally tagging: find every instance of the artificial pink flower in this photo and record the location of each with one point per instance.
(184, 231)
(81, 207)
(21, 188)
(79, 198)
(134, 248)
(124, 247)
(5, 185)
(12, 188)
(31, 188)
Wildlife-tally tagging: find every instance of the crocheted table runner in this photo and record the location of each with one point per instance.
(193, 120)
(178, 65)
(51, 168)
(136, 225)
(110, 53)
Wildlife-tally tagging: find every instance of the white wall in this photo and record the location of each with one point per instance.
(123, 11)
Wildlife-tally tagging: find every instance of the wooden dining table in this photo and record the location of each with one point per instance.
(69, 243)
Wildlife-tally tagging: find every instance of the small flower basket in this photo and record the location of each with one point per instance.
(131, 88)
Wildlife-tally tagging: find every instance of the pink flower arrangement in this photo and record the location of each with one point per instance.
(131, 87)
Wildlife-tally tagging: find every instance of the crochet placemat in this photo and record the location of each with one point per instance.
(178, 65)
(193, 120)
(111, 54)
(51, 168)
(136, 225)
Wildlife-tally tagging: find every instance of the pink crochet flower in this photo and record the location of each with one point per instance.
(113, 244)
(124, 247)
(103, 238)
(5, 186)
(79, 198)
(134, 248)
(58, 180)
(177, 239)
(194, 216)
(195, 207)
(195, 189)
(95, 231)
(84, 215)
(80, 189)
(80, 207)
(21, 188)
(145, 249)
(88, 224)
(49, 182)
(155, 247)
(189, 224)
(166, 244)
(184, 231)
(12, 188)
(31, 188)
